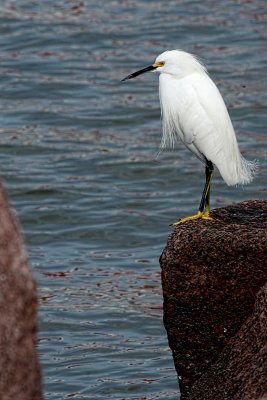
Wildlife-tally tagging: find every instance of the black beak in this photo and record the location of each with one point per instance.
(141, 71)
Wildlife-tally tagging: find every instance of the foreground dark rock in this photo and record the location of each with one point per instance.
(240, 373)
(211, 274)
(20, 376)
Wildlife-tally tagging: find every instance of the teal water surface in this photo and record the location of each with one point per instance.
(95, 200)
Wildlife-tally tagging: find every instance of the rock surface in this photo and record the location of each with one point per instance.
(240, 373)
(211, 274)
(20, 375)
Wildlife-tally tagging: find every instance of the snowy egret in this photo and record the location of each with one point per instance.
(193, 110)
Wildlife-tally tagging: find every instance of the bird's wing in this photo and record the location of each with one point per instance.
(193, 109)
(204, 119)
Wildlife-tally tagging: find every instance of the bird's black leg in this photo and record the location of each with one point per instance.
(204, 206)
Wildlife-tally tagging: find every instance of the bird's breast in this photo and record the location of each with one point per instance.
(175, 103)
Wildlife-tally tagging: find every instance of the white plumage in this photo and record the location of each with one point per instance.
(193, 110)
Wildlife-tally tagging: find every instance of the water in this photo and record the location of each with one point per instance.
(79, 158)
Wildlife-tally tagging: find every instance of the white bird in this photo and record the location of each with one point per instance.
(193, 110)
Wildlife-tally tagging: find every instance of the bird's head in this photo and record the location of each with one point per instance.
(177, 63)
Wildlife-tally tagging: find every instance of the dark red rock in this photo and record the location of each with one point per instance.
(211, 273)
(20, 374)
(240, 373)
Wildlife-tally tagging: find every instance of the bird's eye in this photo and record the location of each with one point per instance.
(159, 64)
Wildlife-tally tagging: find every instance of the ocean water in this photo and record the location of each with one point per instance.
(79, 156)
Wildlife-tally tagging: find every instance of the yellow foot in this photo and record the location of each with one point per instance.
(199, 215)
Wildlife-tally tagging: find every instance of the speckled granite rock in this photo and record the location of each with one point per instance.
(20, 376)
(240, 373)
(211, 273)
